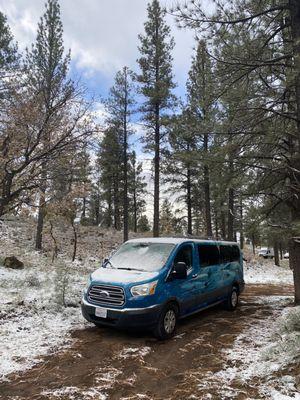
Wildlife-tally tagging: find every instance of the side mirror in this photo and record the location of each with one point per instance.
(104, 262)
(180, 271)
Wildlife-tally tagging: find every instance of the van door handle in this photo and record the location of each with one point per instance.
(194, 276)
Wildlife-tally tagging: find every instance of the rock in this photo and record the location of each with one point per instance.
(13, 262)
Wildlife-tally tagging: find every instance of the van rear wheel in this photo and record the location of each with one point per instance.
(233, 299)
(167, 322)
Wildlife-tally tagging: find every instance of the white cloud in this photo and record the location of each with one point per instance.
(102, 35)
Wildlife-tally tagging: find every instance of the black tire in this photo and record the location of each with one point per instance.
(168, 317)
(233, 299)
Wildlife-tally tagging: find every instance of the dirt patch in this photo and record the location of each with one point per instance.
(107, 364)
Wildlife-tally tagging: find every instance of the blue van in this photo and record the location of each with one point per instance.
(152, 282)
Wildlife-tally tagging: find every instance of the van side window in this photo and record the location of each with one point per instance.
(185, 254)
(225, 253)
(229, 253)
(208, 255)
(235, 255)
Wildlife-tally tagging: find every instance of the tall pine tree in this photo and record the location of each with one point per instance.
(156, 82)
(200, 90)
(120, 108)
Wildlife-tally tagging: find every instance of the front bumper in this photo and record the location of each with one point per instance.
(127, 318)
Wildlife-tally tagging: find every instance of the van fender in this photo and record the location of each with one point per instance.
(172, 300)
(237, 285)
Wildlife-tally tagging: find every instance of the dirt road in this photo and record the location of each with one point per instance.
(106, 364)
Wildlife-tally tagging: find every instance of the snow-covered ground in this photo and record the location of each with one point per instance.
(266, 272)
(34, 321)
(262, 352)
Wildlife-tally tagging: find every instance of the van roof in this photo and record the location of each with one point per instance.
(177, 240)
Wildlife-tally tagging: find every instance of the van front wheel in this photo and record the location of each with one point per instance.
(167, 322)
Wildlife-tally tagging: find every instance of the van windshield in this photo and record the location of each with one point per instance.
(148, 257)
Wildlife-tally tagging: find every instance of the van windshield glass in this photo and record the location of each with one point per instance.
(148, 257)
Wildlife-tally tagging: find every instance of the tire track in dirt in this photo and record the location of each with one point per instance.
(105, 364)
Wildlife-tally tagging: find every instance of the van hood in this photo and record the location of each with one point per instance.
(110, 275)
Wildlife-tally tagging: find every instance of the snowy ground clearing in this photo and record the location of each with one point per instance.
(266, 272)
(249, 354)
(33, 319)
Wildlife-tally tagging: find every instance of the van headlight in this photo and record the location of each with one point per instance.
(144, 290)
(89, 280)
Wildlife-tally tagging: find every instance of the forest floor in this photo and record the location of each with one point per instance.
(48, 352)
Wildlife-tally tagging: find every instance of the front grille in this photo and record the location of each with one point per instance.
(106, 295)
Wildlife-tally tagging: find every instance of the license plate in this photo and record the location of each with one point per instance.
(101, 312)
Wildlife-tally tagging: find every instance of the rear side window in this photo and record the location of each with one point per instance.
(229, 253)
(208, 255)
(235, 253)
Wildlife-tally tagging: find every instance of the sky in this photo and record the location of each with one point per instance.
(103, 37)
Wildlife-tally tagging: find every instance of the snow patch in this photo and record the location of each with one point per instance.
(26, 338)
(75, 393)
(134, 353)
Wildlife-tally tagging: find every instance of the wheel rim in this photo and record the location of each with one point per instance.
(170, 321)
(234, 298)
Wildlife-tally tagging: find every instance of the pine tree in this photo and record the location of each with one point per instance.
(201, 101)
(143, 224)
(109, 159)
(156, 82)
(180, 164)
(167, 218)
(137, 190)
(120, 107)
(47, 68)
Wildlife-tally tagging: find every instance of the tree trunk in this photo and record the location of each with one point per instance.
(216, 224)
(280, 251)
(294, 249)
(207, 191)
(189, 202)
(135, 218)
(156, 173)
(40, 222)
(55, 246)
(83, 214)
(125, 164)
(97, 210)
(253, 244)
(242, 238)
(223, 224)
(116, 203)
(134, 195)
(230, 221)
(294, 6)
(276, 253)
(110, 208)
(75, 240)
